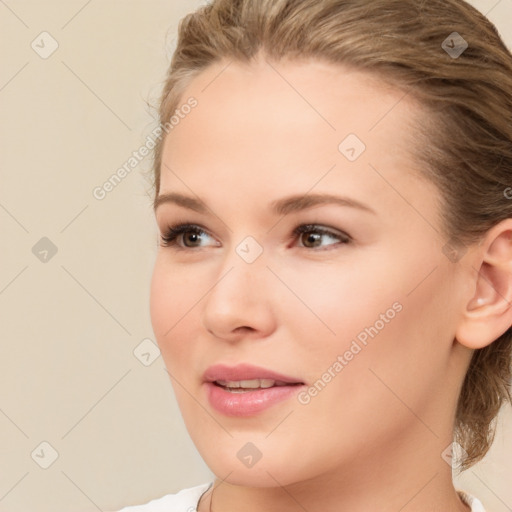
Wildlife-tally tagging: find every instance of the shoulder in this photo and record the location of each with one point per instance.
(184, 501)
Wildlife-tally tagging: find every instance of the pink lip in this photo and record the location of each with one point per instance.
(244, 372)
(247, 403)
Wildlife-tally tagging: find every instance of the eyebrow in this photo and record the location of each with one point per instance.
(282, 206)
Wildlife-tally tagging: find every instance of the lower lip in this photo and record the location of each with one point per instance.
(248, 403)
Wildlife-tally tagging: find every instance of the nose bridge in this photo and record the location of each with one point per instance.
(239, 297)
(243, 270)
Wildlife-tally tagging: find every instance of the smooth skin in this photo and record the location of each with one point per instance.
(373, 438)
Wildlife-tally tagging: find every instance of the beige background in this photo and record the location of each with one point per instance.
(70, 325)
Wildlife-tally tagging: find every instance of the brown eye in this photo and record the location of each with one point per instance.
(310, 239)
(311, 236)
(192, 236)
(189, 233)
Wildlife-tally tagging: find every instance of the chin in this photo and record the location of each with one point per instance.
(260, 475)
(257, 463)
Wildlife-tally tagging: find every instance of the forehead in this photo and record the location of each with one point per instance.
(270, 123)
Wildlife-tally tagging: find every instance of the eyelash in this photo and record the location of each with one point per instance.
(169, 238)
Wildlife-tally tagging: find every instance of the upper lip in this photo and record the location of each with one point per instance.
(245, 372)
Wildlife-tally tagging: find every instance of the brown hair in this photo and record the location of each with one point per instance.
(464, 142)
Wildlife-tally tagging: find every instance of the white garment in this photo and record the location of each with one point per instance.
(184, 501)
(187, 500)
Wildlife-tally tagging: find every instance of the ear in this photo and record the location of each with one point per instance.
(489, 312)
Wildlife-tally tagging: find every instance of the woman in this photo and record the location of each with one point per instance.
(332, 294)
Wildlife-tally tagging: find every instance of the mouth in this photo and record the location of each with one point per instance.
(244, 386)
(247, 376)
(246, 390)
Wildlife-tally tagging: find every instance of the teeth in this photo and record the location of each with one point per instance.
(248, 384)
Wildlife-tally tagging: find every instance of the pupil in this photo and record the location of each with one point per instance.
(312, 238)
(192, 236)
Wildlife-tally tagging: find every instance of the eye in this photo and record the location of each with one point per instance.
(315, 233)
(186, 232)
(188, 236)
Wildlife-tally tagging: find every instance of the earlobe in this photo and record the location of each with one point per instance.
(488, 313)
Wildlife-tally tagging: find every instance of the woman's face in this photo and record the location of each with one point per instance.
(358, 312)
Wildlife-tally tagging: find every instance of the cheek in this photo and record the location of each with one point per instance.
(399, 367)
(384, 317)
(333, 304)
(174, 320)
(160, 301)
(398, 355)
(172, 297)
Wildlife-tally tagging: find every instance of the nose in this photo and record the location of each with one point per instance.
(239, 303)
